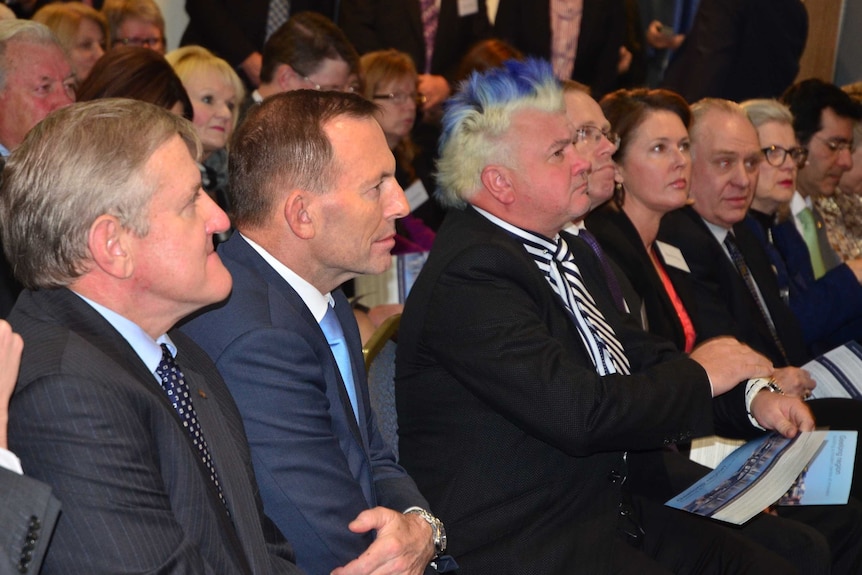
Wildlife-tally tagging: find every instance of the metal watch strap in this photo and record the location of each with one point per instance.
(438, 532)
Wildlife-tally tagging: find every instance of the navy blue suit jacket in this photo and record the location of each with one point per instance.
(828, 309)
(317, 468)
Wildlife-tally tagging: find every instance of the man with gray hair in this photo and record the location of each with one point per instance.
(35, 79)
(132, 427)
(511, 349)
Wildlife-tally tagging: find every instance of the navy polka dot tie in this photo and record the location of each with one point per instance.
(174, 384)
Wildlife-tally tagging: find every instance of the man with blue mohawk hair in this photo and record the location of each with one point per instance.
(520, 387)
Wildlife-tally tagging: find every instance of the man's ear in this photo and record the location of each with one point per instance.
(297, 214)
(110, 247)
(285, 77)
(497, 180)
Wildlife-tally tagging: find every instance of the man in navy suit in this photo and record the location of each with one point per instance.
(315, 202)
(131, 426)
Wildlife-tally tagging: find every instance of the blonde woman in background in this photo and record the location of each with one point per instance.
(215, 91)
(82, 31)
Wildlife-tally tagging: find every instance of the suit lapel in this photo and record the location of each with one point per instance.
(87, 323)
(239, 250)
(232, 475)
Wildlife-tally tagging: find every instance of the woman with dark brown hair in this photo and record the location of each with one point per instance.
(654, 163)
(139, 74)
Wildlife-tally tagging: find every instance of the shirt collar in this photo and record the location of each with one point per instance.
(799, 203)
(316, 302)
(148, 349)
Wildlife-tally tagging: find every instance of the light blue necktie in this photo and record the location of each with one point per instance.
(335, 337)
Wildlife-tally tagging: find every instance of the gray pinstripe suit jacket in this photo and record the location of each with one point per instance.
(89, 419)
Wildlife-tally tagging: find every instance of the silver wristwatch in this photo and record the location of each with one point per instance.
(438, 532)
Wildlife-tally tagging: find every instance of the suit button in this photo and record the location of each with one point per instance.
(34, 522)
(615, 477)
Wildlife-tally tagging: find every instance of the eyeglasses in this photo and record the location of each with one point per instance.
(838, 144)
(152, 43)
(402, 97)
(776, 155)
(349, 88)
(592, 136)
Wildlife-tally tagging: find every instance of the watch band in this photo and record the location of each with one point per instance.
(438, 531)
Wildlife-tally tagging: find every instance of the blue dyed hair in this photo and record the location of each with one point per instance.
(476, 118)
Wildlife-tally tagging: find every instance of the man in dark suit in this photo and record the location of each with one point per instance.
(308, 52)
(237, 29)
(527, 25)
(31, 54)
(719, 251)
(823, 119)
(29, 511)
(132, 427)
(527, 367)
(739, 49)
(314, 209)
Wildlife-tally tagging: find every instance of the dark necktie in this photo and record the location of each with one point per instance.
(610, 276)
(174, 383)
(742, 268)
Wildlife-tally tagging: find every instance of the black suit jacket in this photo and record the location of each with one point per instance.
(740, 49)
(722, 300)
(234, 29)
(380, 24)
(28, 514)
(503, 421)
(526, 24)
(89, 419)
(621, 242)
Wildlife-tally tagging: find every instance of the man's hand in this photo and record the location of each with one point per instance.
(435, 89)
(855, 267)
(11, 345)
(658, 39)
(251, 67)
(794, 381)
(727, 362)
(403, 544)
(782, 413)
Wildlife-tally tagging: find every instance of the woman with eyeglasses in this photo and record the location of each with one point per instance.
(654, 163)
(829, 309)
(389, 79)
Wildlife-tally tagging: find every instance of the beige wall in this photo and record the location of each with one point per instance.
(824, 24)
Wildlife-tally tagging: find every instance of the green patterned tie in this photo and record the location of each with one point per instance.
(809, 234)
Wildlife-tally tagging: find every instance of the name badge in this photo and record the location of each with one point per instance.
(672, 256)
(467, 7)
(416, 194)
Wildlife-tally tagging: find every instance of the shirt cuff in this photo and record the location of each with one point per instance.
(752, 388)
(10, 461)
